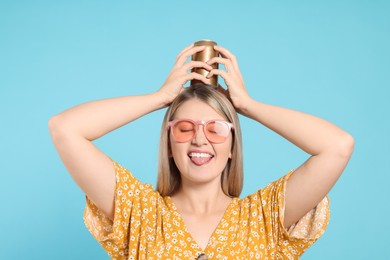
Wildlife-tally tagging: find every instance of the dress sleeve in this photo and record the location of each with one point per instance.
(293, 242)
(114, 235)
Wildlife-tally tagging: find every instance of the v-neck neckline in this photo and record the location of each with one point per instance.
(218, 227)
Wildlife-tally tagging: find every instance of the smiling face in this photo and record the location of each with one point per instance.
(204, 102)
(198, 160)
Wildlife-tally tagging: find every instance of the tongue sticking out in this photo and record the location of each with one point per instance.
(200, 160)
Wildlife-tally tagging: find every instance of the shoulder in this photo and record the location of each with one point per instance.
(272, 191)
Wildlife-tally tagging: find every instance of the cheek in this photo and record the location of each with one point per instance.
(177, 151)
(172, 146)
(225, 150)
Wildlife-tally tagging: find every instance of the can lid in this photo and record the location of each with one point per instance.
(205, 42)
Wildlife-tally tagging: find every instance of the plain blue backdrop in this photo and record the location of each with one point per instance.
(327, 58)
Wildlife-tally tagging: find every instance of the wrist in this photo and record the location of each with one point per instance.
(244, 107)
(162, 98)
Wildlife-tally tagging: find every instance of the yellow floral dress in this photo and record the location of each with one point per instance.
(148, 226)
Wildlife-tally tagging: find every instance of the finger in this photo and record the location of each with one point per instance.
(197, 76)
(185, 55)
(221, 73)
(227, 54)
(227, 63)
(224, 52)
(184, 50)
(197, 64)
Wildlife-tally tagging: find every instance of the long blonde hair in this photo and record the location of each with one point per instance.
(169, 179)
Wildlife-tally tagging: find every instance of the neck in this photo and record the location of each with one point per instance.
(201, 199)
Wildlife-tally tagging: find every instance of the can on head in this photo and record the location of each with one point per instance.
(205, 56)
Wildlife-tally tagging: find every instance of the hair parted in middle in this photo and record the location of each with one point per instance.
(169, 179)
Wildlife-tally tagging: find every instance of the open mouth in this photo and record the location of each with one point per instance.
(200, 158)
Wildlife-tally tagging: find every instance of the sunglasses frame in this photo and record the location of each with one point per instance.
(196, 124)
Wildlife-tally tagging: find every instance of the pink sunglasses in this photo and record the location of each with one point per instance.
(184, 130)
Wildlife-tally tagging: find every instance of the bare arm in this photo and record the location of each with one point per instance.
(73, 130)
(329, 146)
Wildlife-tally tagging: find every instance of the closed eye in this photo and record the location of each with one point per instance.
(185, 130)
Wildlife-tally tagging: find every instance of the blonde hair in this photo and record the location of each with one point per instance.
(169, 179)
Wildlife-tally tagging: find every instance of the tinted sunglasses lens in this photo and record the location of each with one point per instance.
(217, 131)
(183, 131)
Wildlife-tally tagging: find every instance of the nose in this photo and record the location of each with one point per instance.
(199, 138)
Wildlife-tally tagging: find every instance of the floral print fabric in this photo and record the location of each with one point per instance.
(148, 226)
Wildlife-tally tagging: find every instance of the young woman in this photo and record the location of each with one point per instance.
(195, 211)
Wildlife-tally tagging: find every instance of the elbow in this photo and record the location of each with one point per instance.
(60, 127)
(345, 145)
(56, 126)
(54, 123)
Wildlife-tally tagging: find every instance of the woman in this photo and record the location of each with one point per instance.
(196, 212)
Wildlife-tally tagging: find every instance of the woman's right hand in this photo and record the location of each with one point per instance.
(74, 130)
(179, 74)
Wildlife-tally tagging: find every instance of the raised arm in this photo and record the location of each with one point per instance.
(73, 130)
(329, 146)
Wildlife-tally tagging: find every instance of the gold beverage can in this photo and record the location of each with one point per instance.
(205, 56)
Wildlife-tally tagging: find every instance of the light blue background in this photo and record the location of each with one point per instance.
(327, 58)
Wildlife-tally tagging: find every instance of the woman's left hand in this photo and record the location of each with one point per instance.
(236, 89)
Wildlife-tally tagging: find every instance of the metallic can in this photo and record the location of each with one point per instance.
(205, 56)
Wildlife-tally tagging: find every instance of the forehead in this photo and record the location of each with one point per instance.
(196, 109)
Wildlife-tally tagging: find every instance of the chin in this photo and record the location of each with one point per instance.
(202, 176)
